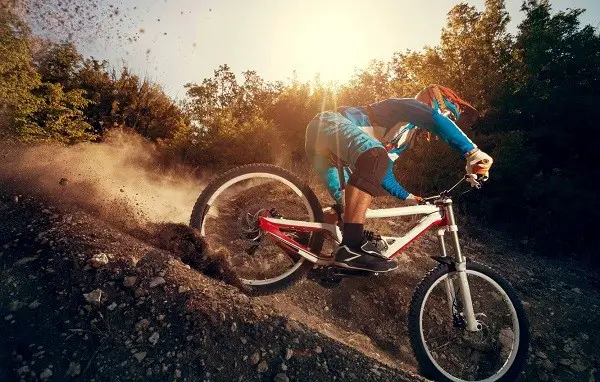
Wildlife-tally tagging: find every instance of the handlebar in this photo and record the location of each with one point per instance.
(476, 181)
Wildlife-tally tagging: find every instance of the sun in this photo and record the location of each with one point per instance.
(330, 44)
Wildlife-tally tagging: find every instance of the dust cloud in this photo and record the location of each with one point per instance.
(121, 179)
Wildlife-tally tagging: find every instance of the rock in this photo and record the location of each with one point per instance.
(63, 181)
(546, 364)
(74, 369)
(129, 281)
(292, 326)
(262, 367)
(8, 318)
(576, 290)
(177, 373)
(233, 327)
(183, 289)
(94, 297)
(283, 367)
(25, 260)
(153, 339)
(254, 358)
(281, 377)
(47, 373)
(318, 350)
(139, 292)
(34, 304)
(112, 306)
(541, 354)
(140, 356)
(577, 367)
(156, 282)
(142, 324)
(288, 354)
(99, 260)
(565, 361)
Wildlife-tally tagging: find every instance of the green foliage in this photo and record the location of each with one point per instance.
(58, 117)
(18, 76)
(59, 64)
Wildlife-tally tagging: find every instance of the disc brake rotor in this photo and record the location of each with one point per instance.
(248, 224)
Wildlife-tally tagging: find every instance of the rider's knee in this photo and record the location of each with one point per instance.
(369, 170)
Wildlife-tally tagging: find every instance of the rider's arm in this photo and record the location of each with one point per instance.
(391, 185)
(449, 132)
(391, 111)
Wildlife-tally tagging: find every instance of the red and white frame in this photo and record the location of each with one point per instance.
(433, 217)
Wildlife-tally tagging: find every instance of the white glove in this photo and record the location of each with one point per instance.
(478, 163)
(413, 200)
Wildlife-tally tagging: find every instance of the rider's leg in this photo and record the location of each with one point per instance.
(355, 252)
(331, 132)
(369, 170)
(357, 202)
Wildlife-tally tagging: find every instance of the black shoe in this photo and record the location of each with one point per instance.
(366, 258)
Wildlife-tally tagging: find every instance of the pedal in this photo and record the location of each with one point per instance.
(347, 272)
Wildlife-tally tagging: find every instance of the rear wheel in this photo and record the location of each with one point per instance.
(226, 214)
(445, 349)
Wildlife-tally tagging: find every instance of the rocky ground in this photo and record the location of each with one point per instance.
(90, 295)
(82, 300)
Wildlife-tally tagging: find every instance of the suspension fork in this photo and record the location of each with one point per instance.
(460, 263)
(448, 286)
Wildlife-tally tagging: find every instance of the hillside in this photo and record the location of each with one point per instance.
(97, 293)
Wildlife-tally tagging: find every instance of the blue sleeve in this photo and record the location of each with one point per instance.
(447, 130)
(391, 185)
(330, 176)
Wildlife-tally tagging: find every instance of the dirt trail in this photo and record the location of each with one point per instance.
(82, 300)
(561, 298)
(93, 291)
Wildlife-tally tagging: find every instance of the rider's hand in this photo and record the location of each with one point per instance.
(413, 200)
(478, 164)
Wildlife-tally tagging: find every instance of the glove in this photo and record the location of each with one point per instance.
(413, 200)
(479, 163)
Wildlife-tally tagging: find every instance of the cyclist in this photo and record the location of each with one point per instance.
(368, 140)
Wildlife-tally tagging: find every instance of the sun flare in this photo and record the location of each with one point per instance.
(330, 45)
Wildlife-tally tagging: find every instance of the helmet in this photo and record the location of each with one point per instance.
(448, 103)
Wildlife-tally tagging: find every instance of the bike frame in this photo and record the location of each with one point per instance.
(440, 214)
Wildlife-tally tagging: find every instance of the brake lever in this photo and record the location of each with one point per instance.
(474, 181)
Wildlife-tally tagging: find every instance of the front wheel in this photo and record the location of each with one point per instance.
(445, 349)
(226, 214)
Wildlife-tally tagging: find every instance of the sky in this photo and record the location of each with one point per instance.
(175, 42)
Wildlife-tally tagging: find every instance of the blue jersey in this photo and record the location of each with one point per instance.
(391, 122)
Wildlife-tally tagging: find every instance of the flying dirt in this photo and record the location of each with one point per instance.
(121, 180)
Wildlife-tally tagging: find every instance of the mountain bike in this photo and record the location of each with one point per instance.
(466, 322)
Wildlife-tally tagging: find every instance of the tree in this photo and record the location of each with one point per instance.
(59, 64)
(18, 76)
(59, 117)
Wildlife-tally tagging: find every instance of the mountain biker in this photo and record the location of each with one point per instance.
(368, 139)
